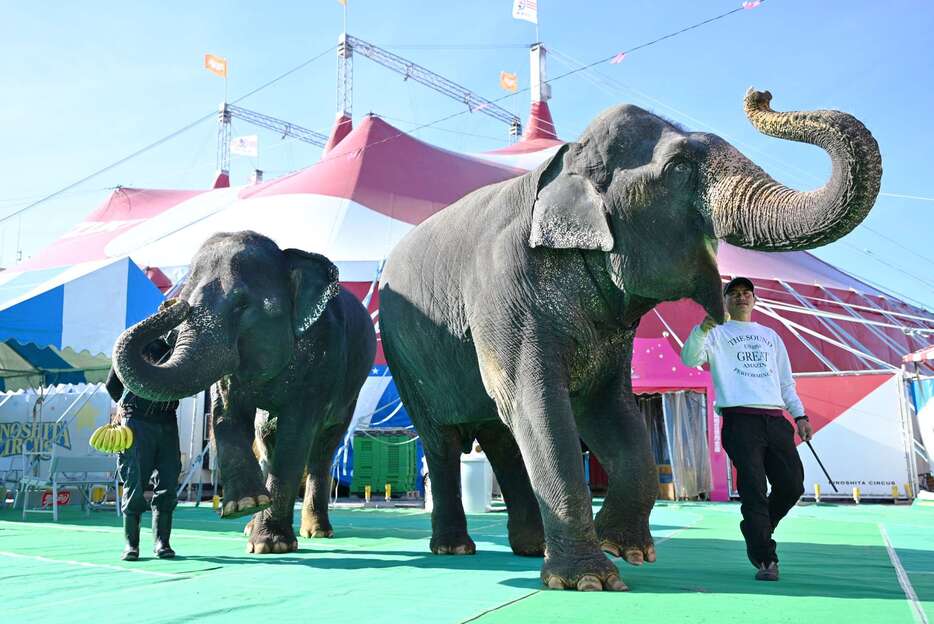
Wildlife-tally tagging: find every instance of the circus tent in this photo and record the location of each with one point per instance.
(375, 183)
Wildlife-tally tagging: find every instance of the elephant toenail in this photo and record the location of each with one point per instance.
(589, 582)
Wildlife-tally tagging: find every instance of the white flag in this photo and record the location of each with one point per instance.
(245, 145)
(525, 10)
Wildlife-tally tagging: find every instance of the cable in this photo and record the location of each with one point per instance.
(158, 142)
(901, 244)
(868, 253)
(478, 136)
(274, 80)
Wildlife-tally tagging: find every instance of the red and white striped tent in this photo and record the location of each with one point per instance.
(374, 183)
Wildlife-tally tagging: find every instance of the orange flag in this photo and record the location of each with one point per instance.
(509, 81)
(217, 65)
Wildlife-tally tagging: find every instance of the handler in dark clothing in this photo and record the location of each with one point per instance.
(154, 453)
(753, 384)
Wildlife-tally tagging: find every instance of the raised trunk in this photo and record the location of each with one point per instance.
(750, 209)
(199, 358)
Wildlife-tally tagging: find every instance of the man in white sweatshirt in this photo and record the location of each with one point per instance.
(753, 384)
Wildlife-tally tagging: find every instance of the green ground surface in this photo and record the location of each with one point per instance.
(835, 568)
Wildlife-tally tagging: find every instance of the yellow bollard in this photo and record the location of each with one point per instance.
(216, 502)
(817, 492)
(895, 492)
(367, 490)
(909, 492)
(856, 494)
(388, 492)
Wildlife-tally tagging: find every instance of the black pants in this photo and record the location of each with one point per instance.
(154, 455)
(763, 447)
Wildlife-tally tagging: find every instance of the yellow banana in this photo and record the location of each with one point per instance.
(129, 437)
(102, 442)
(109, 440)
(118, 439)
(101, 438)
(96, 436)
(124, 437)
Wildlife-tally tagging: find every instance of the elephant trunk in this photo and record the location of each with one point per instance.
(751, 210)
(199, 358)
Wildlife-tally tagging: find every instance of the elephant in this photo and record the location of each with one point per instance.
(509, 316)
(272, 330)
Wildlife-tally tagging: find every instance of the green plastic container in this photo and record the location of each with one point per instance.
(381, 458)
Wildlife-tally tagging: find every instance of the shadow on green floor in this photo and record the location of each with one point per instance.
(836, 564)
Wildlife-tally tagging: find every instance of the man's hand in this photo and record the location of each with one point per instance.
(707, 324)
(804, 430)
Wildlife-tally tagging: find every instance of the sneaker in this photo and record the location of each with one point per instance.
(767, 572)
(130, 554)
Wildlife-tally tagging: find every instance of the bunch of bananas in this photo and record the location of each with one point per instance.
(112, 438)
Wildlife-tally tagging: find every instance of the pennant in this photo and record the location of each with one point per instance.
(752, 5)
(217, 65)
(525, 10)
(509, 81)
(245, 145)
(616, 60)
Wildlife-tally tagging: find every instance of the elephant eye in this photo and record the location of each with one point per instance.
(680, 171)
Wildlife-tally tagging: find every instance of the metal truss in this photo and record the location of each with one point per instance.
(285, 128)
(409, 70)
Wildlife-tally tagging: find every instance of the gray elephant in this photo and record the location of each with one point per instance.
(509, 316)
(276, 331)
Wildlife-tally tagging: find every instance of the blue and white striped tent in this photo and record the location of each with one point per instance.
(83, 307)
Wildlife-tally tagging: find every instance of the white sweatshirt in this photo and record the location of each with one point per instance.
(749, 365)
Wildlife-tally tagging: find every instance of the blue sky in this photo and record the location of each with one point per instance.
(87, 84)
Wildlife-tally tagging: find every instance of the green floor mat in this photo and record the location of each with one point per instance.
(834, 564)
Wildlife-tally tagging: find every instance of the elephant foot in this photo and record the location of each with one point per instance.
(636, 547)
(527, 542)
(453, 545)
(315, 530)
(592, 572)
(313, 525)
(269, 537)
(245, 506)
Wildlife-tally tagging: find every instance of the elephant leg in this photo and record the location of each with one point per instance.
(232, 426)
(613, 427)
(272, 528)
(443, 446)
(264, 441)
(526, 534)
(315, 522)
(540, 416)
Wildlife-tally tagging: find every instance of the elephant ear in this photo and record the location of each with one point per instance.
(315, 282)
(568, 212)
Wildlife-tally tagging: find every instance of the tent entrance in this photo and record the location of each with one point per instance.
(677, 425)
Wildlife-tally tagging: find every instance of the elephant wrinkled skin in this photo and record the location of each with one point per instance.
(272, 330)
(509, 316)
